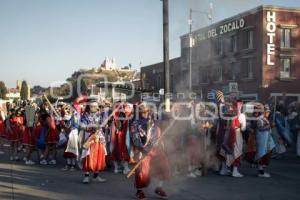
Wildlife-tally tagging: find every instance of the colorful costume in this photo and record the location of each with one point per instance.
(264, 141)
(93, 143)
(12, 128)
(155, 163)
(232, 147)
(29, 137)
(52, 136)
(120, 137)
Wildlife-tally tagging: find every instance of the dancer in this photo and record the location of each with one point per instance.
(264, 142)
(145, 133)
(233, 141)
(120, 138)
(93, 143)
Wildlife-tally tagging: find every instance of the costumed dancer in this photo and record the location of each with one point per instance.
(193, 145)
(294, 122)
(2, 130)
(251, 143)
(145, 134)
(20, 128)
(93, 143)
(48, 137)
(29, 138)
(12, 134)
(232, 148)
(264, 142)
(120, 138)
(283, 136)
(72, 149)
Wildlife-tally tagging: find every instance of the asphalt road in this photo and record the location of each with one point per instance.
(18, 181)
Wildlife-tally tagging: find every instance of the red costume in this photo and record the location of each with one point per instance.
(12, 131)
(119, 134)
(155, 163)
(2, 126)
(52, 136)
(20, 127)
(29, 136)
(94, 161)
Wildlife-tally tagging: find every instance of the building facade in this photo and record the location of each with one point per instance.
(256, 51)
(152, 76)
(254, 55)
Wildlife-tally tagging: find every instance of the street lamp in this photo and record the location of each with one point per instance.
(191, 40)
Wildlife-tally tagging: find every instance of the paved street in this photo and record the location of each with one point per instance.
(18, 181)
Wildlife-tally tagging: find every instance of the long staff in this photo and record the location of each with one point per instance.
(158, 140)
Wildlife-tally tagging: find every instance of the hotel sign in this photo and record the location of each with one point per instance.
(271, 33)
(222, 29)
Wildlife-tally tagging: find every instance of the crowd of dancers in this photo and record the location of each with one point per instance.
(94, 136)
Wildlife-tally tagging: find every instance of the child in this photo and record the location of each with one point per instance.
(12, 135)
(47, 139)
(71, 150)
(28, 137)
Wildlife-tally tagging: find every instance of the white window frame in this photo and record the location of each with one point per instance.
(285, 37)
(284, 73)
(250, 39)
(233, 46)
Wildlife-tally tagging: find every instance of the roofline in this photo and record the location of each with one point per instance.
(246, 13)
(154, 64)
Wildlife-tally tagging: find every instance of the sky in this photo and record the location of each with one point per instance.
(44, 41)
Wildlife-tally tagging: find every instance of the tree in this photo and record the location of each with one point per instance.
(83, 89)
(3, 90)
(24, 91)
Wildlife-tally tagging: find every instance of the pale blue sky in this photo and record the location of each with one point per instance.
(44, 41)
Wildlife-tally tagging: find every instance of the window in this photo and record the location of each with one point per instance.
(285, 71)
(220, 46)
(285, 41)
(249, 68)
(249, 39)
(233, 43)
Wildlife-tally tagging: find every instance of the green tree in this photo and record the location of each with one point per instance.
(3, 90)
(24, 91)
(82, 88)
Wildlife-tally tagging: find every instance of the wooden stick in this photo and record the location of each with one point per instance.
(158, 140)
(57, 115)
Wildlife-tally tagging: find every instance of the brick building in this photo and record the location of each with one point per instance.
(152, 76)
(255, 54)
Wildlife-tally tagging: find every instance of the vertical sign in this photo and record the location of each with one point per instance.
(271, 32)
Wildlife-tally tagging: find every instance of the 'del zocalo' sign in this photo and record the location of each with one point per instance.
(222, 29)
(271, 33)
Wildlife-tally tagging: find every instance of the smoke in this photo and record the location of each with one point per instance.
(187, 146)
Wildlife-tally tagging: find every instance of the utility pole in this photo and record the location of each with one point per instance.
(166, 54)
